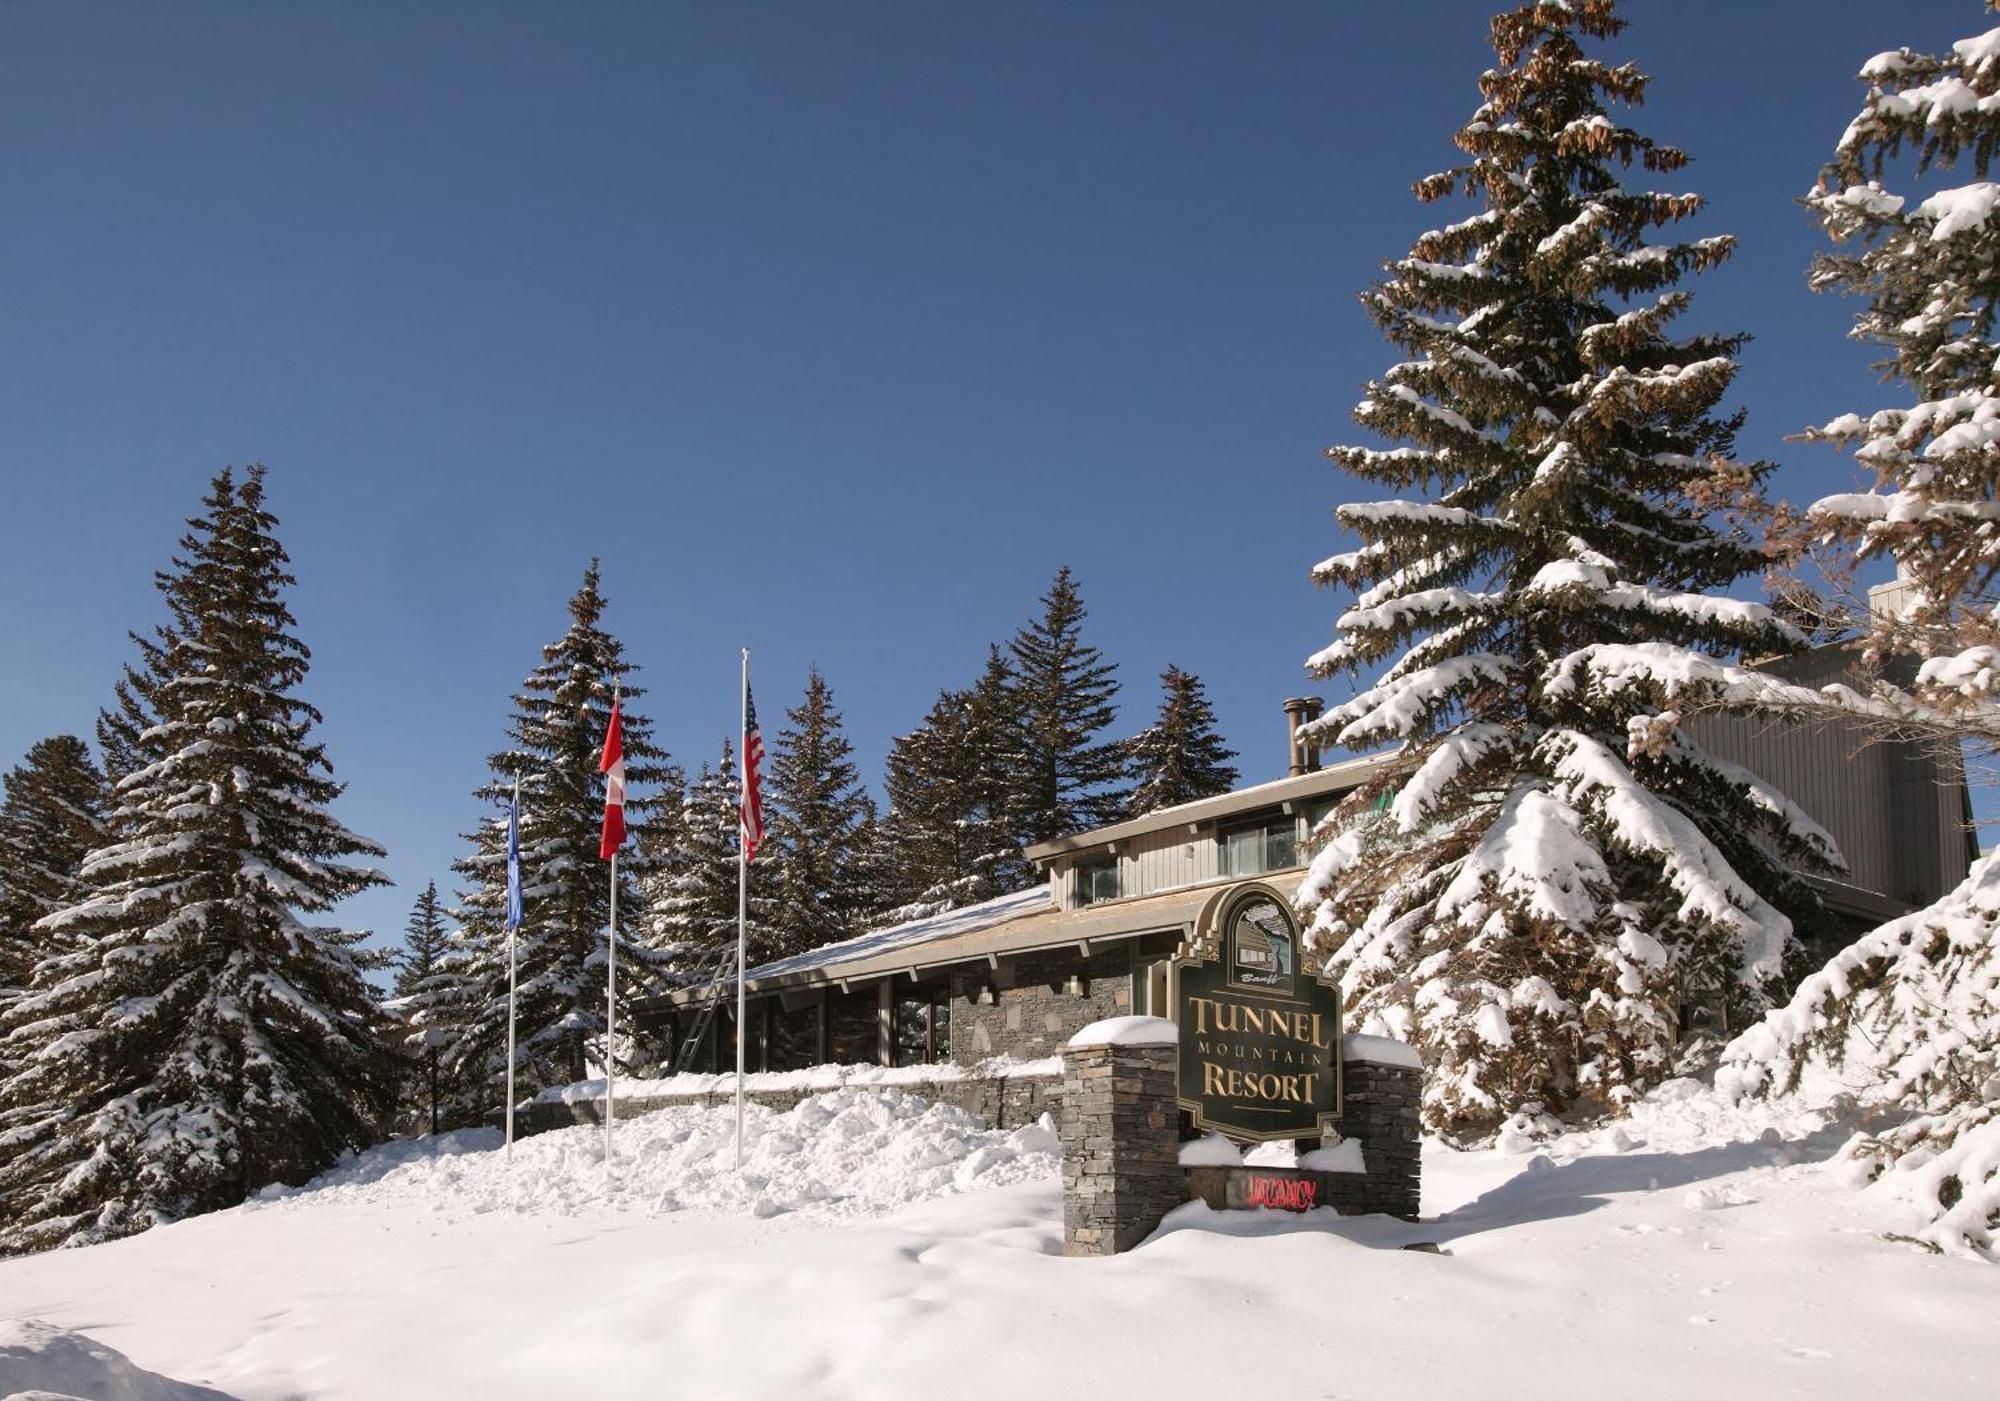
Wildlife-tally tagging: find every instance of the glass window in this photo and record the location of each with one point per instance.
(923, 1026)
(1272, 845)
(1097, 881)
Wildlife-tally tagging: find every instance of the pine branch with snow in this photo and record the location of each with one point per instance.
(1926, 267)
(1552, 870)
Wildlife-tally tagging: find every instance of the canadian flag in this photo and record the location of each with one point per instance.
(612, 766)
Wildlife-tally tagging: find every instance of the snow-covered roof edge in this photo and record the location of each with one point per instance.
(967, 919)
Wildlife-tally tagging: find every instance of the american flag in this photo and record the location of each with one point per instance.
(752, 815)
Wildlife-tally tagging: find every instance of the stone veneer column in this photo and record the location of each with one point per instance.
(1381, 1094)
(1120, 1134)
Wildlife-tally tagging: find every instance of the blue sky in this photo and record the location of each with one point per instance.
(834, 329)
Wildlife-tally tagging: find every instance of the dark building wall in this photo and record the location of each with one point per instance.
(1031, 1014)
(1895, 807)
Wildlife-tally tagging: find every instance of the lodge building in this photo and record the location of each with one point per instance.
(1018, 975)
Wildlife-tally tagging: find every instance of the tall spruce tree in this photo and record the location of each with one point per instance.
(937, 830)
(691, 893)
(55, 811)
(1559, 866)
(562, 947)
(1179, 757)
(822, 829)
(947, 840)
(1907, 1018)
(419, 966)
(202, 1038)
(1063, 775)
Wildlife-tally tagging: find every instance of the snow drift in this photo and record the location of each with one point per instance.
(854, 1152)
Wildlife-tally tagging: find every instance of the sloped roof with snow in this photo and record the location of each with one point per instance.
(896, 938)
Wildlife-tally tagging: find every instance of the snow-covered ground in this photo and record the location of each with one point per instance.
(882, 1248)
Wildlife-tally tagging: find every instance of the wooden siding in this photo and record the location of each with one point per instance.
(1147, 865)
(1896, 812)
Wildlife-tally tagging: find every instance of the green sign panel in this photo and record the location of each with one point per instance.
(1260, 1033)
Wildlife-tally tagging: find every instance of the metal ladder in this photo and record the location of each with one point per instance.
(720, 985)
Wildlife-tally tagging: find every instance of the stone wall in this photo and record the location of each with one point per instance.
(1031, 1014)
(1120, 1135)
(1379, 1106)
(999, 1102)
(1121, 1130)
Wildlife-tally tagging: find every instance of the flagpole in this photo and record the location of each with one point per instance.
(742, 898)
(611, 1005)
(513, 936)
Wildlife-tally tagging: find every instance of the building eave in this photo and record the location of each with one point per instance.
(1348, 773)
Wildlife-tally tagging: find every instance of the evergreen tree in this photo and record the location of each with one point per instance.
(55, 811)
(1063, 776)
(1928, 270)
(426, 941)
(201, 1039)
(821, 829)
(562, 947)
(1560, 867)
(1907, 1019)
(119, 729)
(946, 841)
(692, 891)
(1179, 757)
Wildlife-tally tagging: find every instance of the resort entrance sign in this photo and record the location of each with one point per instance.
(1259, 1032)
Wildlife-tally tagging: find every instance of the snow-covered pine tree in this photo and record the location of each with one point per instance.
(120, 727)
(419, 964)
(202, 1038)
(821, 829)
(1063, 775)
(1907, 1019)
(1179, 757)
(556, 739)
(691, 892)
(1558, 867)
(1927, 266)
(55, 811)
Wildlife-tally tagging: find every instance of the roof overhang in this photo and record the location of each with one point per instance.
(1083, 930)
(1334, 778)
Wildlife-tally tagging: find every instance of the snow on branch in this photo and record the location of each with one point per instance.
(1397, 709)
(1590, 775)
(1459, 754)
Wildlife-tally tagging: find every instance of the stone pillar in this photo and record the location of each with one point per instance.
(1381, 1088)
(1120, 1134)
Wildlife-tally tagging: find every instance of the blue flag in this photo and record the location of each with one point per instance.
(514, 860)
